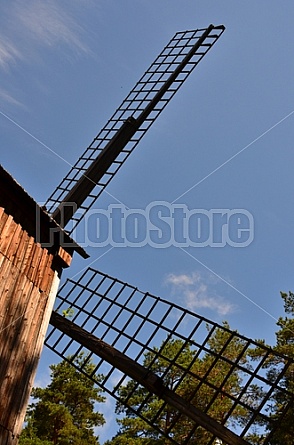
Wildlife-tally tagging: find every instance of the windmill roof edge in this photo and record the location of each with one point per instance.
(31, 216)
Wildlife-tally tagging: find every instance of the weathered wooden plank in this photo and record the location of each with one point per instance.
(21, 249)
(46, 305)
(22, 343)
(1, 214)
(45, 277)
(7, 436)
(48, 277)
(9, 247)
(15, 309)
(31, 264)
(2, 259)
(16, 330)
(30, 259)
(3, 220)
(6, 233)
(14, 243)
(28, 254)
(4, 306)
(35, 265)
(41, 270)
(6, 283)
(25, 357)
(23, 354)
(64, 256)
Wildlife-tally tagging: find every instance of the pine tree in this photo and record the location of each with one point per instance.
(285, 345)
(64, 413)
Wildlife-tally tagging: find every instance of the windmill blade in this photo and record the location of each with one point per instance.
(145, 377)
(120, 326)
(111, 147)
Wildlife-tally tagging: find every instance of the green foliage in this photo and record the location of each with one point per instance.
(30, 438)
(285, 336)
(64, 413)
(69, 312)
(285, 345)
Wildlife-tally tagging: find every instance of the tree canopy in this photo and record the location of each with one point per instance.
(64, 412)
(285, 345)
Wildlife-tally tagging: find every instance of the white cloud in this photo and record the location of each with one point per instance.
(8, 53)
(198, 292)
(182, 280)
(49, 24)
(5, 96)
(28, 27)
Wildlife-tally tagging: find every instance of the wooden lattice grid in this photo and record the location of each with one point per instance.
(226, 369)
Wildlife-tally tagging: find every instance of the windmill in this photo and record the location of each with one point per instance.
(111, 317)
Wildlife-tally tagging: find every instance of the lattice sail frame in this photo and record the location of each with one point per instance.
(161, 81)
(136, 323)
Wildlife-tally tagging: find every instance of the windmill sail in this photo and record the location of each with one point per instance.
(111, 147)
(223, 391)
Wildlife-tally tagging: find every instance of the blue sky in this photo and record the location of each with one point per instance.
(224, 141)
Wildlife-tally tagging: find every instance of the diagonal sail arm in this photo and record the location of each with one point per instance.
(143, 104)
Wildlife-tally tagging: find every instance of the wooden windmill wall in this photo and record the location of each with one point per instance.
(31, 261)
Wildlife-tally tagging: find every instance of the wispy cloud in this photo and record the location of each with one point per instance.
(198, 291)
(49, 24)
(7, 97)
(9, 53)
(28, 27)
